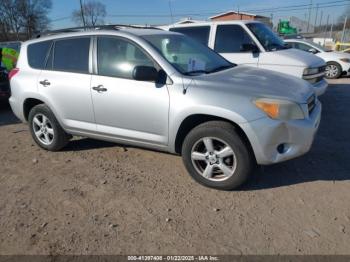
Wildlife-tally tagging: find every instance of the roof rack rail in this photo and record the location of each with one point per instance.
(97, 27)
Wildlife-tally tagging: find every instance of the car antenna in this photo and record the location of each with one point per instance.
(184, 90)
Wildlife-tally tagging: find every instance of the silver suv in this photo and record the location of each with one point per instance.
(164, 91)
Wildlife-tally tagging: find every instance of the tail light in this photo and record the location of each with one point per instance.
(13, 72)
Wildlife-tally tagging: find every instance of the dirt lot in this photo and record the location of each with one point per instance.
(100, 198)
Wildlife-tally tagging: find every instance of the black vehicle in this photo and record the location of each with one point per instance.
(4, 86)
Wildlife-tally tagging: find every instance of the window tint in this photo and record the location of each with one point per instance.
(72, 55)
(290, 44)
(302, 46)
(199, 33)
(117, 57)
(37, 54)
(230, 38)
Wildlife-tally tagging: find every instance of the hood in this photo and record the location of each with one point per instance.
(254, 82)
(294, 57)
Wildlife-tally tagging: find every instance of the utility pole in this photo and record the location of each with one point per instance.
(308, 21)
(271, 19)
(331, 33)
(344, 27)
(321, 19)
(171, 12)
(82, 13)
(316, 15)
(325, 32)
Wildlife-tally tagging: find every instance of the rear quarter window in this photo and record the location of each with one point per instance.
(199, 33)
(37, 54)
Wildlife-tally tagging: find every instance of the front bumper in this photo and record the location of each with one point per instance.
(320, 87)
(266, 134)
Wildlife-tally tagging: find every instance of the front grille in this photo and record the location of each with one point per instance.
(311, 103)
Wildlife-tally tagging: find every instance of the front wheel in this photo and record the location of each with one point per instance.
(216, 156)
(333, 70)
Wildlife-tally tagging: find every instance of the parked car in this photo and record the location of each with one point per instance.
(4, 86)
(164, 91)
(338, 63)
(253, 43)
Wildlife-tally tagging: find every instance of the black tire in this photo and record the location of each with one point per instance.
(60, 138)
(245, 162)
(335, 66)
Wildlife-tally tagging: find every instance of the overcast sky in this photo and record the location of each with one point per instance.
(158, 11)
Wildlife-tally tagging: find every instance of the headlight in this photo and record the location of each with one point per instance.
(310, 71)
(346, 60)
(280, 109)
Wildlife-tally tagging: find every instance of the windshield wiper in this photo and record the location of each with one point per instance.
(220, 68)
(196, 72)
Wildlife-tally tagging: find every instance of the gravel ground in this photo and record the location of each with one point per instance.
(100, 198)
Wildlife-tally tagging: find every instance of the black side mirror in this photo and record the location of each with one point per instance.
(250, 48)
(145, 73)
(313, 51)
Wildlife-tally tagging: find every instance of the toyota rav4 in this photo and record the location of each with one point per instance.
(164, 91)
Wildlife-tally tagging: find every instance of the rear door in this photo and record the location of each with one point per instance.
(229, 42)
(125, 108)
(65, 82)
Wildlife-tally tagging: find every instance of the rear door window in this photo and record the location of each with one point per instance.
(230, 39)
(37, 54)
(72, 55)
(199, 33)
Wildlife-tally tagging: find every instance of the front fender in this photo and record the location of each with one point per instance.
(179, 117)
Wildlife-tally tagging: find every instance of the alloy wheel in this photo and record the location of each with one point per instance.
(213, 158)
(332, 71)
(43, 129)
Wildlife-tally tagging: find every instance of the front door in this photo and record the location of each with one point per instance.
(125, 108)
(230, 41)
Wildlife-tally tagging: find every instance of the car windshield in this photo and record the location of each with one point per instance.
(188, 56)
(268, 39)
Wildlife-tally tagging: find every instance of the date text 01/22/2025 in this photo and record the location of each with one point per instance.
(173, 258)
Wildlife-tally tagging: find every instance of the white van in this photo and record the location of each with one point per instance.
(253, 43)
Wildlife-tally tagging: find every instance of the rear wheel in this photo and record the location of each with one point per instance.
(333, 70)
(216, 156)
(45, 129)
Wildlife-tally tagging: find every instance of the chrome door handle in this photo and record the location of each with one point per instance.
(99, 88)
(45, 82)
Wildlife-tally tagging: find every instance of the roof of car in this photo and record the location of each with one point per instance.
(215, 23)
(89, 32)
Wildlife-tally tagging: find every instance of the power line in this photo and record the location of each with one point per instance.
(212, 13)
(319, 5)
